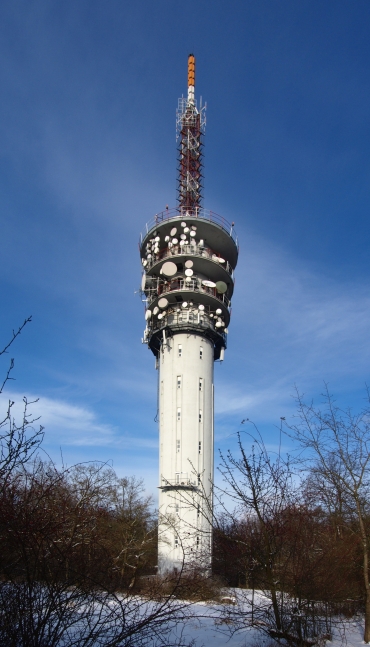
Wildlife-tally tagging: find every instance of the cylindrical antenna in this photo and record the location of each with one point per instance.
(191, 78)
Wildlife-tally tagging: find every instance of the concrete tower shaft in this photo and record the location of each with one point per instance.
(188, 256)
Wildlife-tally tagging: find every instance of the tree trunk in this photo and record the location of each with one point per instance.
(366, 571)
(367, 618)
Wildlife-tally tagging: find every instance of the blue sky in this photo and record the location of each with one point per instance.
(88, 155)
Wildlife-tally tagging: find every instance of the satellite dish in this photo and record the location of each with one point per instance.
(193, 227)
(148, 314)
(183, 236)
(160, 316)
(149, 256)
(174, 241)
(163, 303)
(189, 272)
(218, 311)
(166, 239)
(182, 243)
(221, 260)
(226, 331)
(170, 245)
(189, 263)
(169, 268)
(173, 231)
(201, 306)
(183, 224)
(184, 304)
(186, 230)
(215, 258)
(193, 233)
(156, 310)
(143, 281)
(157, 239)
(218, 324)
(209, 284)
(221, 287)
(188, 279)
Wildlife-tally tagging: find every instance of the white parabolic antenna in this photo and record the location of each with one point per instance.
(221, 287)
(173, 231)
(163, 303)
(169, 268)
(189, 263)
(143, 281)
(218, 311)
(156, 310)
(184, 304)
(148, 314)
(189, 272)
(192, 233)
(209, 284)
(201, 307)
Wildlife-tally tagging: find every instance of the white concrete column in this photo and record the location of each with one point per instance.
(186, 448)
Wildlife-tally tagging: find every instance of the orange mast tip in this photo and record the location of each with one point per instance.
(191, 70)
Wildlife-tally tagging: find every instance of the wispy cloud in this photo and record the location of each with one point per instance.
(68, 424)
(291, 325)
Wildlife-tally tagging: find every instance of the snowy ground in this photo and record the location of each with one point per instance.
(207, 628)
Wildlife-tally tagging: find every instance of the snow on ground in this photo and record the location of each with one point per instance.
(206, 626)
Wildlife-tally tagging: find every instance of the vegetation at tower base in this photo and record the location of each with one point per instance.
(337, 443)
(74, 544)
(300, 530)
(78, 546)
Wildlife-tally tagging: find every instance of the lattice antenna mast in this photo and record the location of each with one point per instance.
(190, 128)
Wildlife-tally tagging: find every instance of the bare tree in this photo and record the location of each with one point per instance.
(18, 440)
(336, 442)
(74, 543)
(271, 533)
(66, 573)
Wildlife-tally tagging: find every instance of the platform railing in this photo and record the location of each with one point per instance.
(181, 482)
(192, 214)
(188, 250)
(181, 285)
(192, 318)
